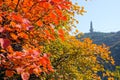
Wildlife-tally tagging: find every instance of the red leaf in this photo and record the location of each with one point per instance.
(39, 23)
(14, 36)
(4, 43)
(25, 76)
(18, 55)
(44, 4)
(36, 53)
(56, 1)
(37, 71)
(47, 32)
(61, 32)
(59, 12)
(10, 49)
(26, 21)
(17, 18)
(1, 29)
(64, 18)
(52, 25)
(0, 19)
(23, 35)
(19, 70)
(50, 68)
(9, 73)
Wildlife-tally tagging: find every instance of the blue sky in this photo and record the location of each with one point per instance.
(105, 15)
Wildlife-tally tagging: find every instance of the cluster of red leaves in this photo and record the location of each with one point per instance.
(23, 62)
(23, 25)
(26, 63)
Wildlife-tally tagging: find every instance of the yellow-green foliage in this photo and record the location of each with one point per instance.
(78, 60)
(117, 73)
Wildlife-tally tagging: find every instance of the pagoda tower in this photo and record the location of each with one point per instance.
(91, 27)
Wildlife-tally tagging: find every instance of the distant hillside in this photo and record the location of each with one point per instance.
(110, 39)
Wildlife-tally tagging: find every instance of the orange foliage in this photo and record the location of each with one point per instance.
(24, 26)
(9, 73)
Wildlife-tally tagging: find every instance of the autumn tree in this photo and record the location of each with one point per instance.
(34, 39)
(25, 27)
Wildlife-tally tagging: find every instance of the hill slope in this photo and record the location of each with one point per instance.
(110, 39)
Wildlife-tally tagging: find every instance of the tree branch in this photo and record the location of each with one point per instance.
(16, 8)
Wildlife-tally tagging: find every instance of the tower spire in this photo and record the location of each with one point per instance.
(91, 27)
